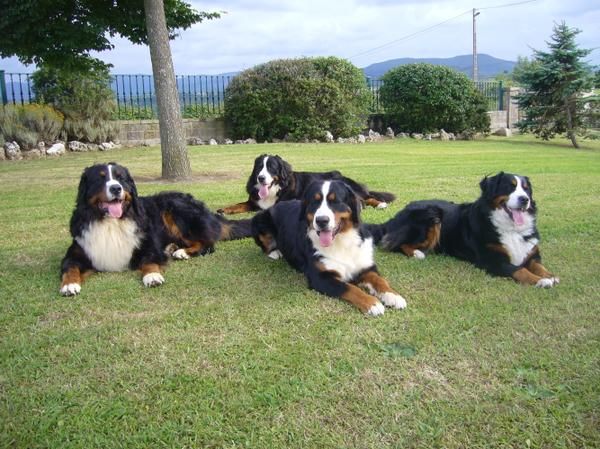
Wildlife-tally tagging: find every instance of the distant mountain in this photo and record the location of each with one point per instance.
(488, 66)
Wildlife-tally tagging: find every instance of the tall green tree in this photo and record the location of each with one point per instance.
(62, 34)
(555, 82)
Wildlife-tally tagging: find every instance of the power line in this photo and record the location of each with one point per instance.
(506, 5)
(408, 36)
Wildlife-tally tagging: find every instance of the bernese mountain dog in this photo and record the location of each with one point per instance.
(497, 232)
(273, 180)
(114, 229)
(322, 237)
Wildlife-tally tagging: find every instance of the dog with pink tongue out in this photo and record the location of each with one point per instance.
(497, 232)
(322, 236)
(114, 229)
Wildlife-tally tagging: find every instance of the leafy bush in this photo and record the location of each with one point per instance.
(426, 98)
(29, 124)
(85, 99)
(302, 98)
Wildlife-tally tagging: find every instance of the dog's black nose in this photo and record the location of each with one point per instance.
(261, 179)
(523, 200)
(115, 189)
(322, 221)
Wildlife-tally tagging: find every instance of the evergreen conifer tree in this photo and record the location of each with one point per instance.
(555, 83)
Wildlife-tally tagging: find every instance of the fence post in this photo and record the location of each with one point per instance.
(500, 96)
(3, 88)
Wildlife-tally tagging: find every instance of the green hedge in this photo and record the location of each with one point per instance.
(298, 98)
(427, 98)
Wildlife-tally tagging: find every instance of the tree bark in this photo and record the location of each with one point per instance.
(570, 131)
(175, 161)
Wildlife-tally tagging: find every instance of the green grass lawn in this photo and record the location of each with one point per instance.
(234, 351)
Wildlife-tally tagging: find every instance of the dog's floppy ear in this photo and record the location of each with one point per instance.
(489, 185)
(354, 203)
(82, 191)
(285, 173)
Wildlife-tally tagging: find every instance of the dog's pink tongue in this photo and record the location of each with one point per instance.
(115, 209)
(263, 192)
(518, 216)
(325, 238)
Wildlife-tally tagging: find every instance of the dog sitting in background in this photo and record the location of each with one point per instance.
(322, 237)
(497, 232)
(272, 180)
(114, 229)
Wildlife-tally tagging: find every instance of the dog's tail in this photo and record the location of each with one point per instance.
(384, 197)
(377, 231)
(234, 229)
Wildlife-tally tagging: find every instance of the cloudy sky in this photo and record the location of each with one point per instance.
(364, 31)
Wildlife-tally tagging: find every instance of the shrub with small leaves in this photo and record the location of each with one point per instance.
(299, 98)
(426, 98)
(29, 124)
(85, 99)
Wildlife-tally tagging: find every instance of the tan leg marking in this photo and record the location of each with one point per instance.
(524, 276)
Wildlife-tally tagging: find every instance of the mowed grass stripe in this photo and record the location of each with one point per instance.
(235, 351)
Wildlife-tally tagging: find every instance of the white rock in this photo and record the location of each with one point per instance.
(504, 132)
(56, 150)
(13, 151)
(75, 145)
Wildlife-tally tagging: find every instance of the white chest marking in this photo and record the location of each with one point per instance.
(109, 243)
(271, 199)
(512, 235)
(348, 254)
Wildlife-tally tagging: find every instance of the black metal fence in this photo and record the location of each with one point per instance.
(200, 96)
(492, 91)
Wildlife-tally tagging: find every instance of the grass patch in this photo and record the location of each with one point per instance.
(234, 350)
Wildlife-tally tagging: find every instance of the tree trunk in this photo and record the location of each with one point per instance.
(175, 162)
(570, 131)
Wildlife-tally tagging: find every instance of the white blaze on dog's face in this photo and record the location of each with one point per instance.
(108, 188)
(511, 194)
(331, 209)
(324, 219)
(264, 179)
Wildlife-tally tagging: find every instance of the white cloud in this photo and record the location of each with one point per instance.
(253, 32)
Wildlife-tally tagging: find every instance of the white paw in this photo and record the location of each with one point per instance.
(393, 300)
(70, 289)
(153, 279)
(275, 254)
(545, 283)
(376, 309)
(418, 254)
(382, 205)
(181, 254)
(556, 281)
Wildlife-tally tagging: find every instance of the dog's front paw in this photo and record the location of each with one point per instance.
(376, 309)
(275, 254)
(70, 289)
(547, 282)
(393, 300)
(180, 254)
(382, 205)
(418, 254)
(153, 279)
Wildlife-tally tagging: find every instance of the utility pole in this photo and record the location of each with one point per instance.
(475, 69)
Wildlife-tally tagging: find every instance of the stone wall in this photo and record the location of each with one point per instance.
(146, 132)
